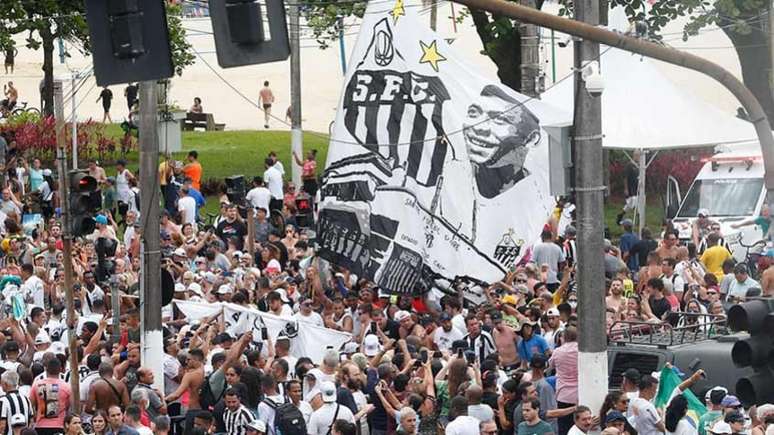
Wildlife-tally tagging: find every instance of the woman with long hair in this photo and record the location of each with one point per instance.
(675, 419)
(72, 425)
(99, 423)
(447, 383)
(612, 402)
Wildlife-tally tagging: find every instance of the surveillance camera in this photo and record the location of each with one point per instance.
(592, 78)
(564, 42)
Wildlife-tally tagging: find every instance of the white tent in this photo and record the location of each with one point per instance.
(643, 110)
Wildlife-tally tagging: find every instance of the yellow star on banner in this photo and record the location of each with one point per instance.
(430, 54)
(397, 11)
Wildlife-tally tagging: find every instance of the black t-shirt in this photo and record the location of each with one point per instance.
(344, 397)
(659, 307)
(107, 97)
(632, 174)
(489, 398)
(227, 230)
(131, 93)
(642, 248)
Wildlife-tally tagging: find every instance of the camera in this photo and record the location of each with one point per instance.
(592, 77)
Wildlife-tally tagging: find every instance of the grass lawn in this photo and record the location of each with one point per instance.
(654, 215)
(226, 153)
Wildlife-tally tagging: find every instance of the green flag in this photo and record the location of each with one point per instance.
(667, 383)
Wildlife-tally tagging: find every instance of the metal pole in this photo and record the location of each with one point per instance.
(296, 134)
(115, 303)
(342, 49)
(453, 17)
(649, 49)
(433, 14)
(553, 57)
(590, 189)
(530, 55)
(771, 46)
(152, 349)
(642, 166)
(67, 242)
(74, 121)
(251, 231)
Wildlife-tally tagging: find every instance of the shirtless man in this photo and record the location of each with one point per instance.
(194, 376)
(505, 342)
(615, 299)
(669, 247)
(11, 95)
(266, 98)
(106, 391)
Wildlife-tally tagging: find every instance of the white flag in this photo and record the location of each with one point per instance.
(433, 172)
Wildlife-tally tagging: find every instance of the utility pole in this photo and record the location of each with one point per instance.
(151, 338)
(342, 48)
(74, 120)
(296, 134)
(530, 55)
(67, 242)
(433, 14)
(590, 189)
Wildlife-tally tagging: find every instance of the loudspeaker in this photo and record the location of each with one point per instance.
(235, 189)
(167, 287)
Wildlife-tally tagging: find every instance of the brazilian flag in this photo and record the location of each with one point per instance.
(668, 382)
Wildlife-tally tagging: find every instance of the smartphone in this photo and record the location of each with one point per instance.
(373, 328)
(264, 333)
(459, 352)
(423, 356)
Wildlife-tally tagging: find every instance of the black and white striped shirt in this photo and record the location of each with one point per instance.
(236, 421)
(483, 345)
(11, 404)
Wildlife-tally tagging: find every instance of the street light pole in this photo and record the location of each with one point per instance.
(590, 189)
(296, 134)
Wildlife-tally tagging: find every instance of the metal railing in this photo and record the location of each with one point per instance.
(690, 328)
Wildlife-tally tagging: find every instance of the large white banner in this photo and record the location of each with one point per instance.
(311, 341)
(433, 172)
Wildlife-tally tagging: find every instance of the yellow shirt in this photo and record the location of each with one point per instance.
(713, 259)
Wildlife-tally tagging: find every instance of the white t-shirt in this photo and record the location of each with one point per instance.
(683, 428)
(286, 311)
(306, 411)
(187, 207)
(33, 288)
(322, 419)
(463, 425)
(259, 197)
(444, 339)
(273, 179)
(646, 417)
(312, 319)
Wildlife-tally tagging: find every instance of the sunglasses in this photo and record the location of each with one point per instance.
(521, 281)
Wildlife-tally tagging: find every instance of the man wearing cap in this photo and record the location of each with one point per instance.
(701, 226)
(714, 412)
(102, 229)
(626, 243)
(407, 325)
(306, 315)
(505, 339)
(321, 421)
(552, 326)
(616, 420)
(742, 283)
(630, 383)
(721, 428)
(256, 427)
(531, 343)
(447, 334)
(736, 420)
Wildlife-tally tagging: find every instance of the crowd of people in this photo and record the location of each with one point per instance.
(416, 364)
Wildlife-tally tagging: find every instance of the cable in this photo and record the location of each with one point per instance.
(331, 139)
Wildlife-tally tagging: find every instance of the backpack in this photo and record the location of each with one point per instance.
(207, 398)
(288, 419)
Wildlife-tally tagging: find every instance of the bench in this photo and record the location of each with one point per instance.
(201, 120)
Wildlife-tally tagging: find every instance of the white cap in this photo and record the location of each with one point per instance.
(179, 287)
(180, 252)
(196, 288)
(371, 345)
(283, 294)
(552, 312)
(256, 425)
(721, 427)
(328, 390)
(58, 348)
(224, 289)
(238, 254)
(400, 315)
(42, 338)
(350, 347)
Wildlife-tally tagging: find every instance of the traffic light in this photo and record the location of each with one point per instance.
(756, 317)
(129, 40)
(85, 200)
(240, 36)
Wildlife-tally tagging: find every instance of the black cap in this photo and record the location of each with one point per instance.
(538, 361)
(496, 316)
(632, 374)
(11, 346)
(734, 417)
